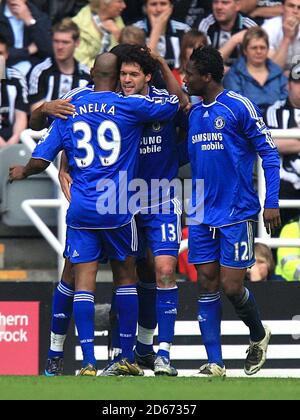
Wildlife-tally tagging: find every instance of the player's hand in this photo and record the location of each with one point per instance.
(59, 108)
(16, 173)
(186, 107)
(272, 219)
(65, 181)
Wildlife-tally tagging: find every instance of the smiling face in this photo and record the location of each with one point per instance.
(133, 80)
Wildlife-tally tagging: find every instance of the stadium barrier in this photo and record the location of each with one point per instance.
(25, 315)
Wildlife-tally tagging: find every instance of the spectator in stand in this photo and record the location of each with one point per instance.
(224, 22)
(286, 114)
(254, 75)
(263, 269)
(190, 11)
(57, 10)
(284, 35)
(288, 259)
(56, 76)
(163, 33)
(27, 31)
(13, 102)
(132, 35)
(259, 10)
(100, 25)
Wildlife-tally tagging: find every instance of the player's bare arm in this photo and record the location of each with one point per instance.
(59, 108)
(172, 84)
(64, 177)
(33, 167)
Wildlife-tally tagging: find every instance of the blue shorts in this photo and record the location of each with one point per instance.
(87, 245)
(232, 246)
(160, 232)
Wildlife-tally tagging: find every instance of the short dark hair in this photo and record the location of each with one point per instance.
(209, 60)
(129, 54)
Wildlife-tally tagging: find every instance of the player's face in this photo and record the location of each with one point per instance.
(133, 80)
(195, 82)
(63, 45)
(256, 51)
(224, 10)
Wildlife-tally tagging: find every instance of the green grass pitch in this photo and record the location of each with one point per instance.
(122, 388)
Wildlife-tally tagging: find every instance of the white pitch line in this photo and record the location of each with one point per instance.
(236, 373)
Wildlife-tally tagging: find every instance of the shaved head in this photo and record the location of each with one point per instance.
(105, 66)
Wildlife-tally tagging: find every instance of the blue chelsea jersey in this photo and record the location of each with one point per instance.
(101, 141)
(224, 139)
(158, 148)
(159, 152)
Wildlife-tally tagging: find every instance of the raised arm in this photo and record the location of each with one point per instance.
(171, 82)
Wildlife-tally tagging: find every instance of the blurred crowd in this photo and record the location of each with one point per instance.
(47, 48)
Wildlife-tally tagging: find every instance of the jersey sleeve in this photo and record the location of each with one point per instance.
(50, 144)
(161, 108)
(256, 131)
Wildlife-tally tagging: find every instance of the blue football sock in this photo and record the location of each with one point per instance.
(127, 306)
(62, 309)
(147, 317)
(247, 310)
(209, 317)
(166, 307)
(84, 315)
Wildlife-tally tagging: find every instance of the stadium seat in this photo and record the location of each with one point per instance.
(17, 154)
(12, 195)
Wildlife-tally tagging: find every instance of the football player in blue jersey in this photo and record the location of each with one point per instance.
(159, 230)
(159, 160)
(100, 151)
(226, 132)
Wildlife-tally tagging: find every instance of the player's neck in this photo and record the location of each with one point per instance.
(211, 94)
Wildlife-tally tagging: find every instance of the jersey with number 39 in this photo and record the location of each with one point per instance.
(101, 141)
(224, 139)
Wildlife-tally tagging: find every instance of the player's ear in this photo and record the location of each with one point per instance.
(148, 78)
(92, 73)
(207, 77)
